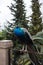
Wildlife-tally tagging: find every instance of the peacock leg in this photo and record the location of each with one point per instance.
(22, 48)
(25, 47)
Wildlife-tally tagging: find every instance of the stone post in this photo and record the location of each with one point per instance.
(5, 45)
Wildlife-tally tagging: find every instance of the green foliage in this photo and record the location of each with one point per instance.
(19, 14)
(36, 26)
(36, 19)
(19, 17)
(38, 38)
(24, 60)
(17, 9)
(38, 41)
(3, 35)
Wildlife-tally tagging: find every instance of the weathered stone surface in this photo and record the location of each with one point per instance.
(4, 47)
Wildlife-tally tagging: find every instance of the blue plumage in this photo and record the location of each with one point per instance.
(18, 31)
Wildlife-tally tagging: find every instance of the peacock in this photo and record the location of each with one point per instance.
(25, 38)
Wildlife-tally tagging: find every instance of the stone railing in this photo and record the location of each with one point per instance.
(5, 46)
